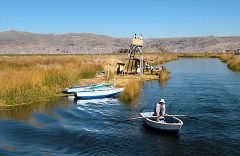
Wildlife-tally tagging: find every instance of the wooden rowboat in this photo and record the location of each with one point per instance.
(170, 124)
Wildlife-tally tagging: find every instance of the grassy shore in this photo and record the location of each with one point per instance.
(199, 55)
(160, 58)
(26, 79)
(232, 61)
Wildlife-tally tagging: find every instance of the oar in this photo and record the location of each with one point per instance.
(141, 117)
(191, 117)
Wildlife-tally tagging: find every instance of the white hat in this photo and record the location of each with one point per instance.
(162, 100)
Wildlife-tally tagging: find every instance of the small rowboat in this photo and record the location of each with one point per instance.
(97, 94)
(74, 89)
(170, 124)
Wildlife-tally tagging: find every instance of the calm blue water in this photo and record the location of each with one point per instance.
(204, 88)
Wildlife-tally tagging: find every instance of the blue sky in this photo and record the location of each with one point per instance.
(123, 18)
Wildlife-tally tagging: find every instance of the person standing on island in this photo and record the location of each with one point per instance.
(135, 36)
(151, 68)
(138, 70)
(160, 110)
(140, 37)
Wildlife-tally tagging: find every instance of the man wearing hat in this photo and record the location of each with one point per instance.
(159, 110)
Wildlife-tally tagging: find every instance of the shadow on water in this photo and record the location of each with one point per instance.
(25, 112)
(163, 83)
(100, 127)
(161, 132)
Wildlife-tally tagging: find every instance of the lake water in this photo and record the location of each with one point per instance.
(203, 88)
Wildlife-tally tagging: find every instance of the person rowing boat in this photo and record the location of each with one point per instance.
(160, 110)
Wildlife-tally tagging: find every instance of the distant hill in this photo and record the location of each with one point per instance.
(196, 44)
(18, 42)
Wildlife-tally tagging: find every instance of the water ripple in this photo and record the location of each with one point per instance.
(100, 127)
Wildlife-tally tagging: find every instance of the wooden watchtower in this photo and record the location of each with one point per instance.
(133, 62)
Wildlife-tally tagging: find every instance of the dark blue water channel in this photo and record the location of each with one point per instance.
(204, 88)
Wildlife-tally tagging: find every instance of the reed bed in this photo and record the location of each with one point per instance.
(24, 79)
(157, 59)
(233, 61)
(164, 74)
(132, 90)
(199, 55)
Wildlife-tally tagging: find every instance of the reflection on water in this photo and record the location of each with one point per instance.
(163, 83)
(203, 88)
(24, 112)
(97, 101)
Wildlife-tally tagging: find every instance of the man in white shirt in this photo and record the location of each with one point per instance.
(160, 110)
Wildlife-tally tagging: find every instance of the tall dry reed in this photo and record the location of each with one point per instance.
(164, 74)
(157, 59)
(131, 91)
(23, 79)
(233, 61)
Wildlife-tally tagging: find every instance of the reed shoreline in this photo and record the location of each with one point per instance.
(26, 78)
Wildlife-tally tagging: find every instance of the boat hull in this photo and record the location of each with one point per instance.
(98, 94)
(171, 124)
(88, 88)
(74, 90)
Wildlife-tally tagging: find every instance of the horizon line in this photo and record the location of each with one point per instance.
(93, 33)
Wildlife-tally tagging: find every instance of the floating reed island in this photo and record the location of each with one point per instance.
(26, 79)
